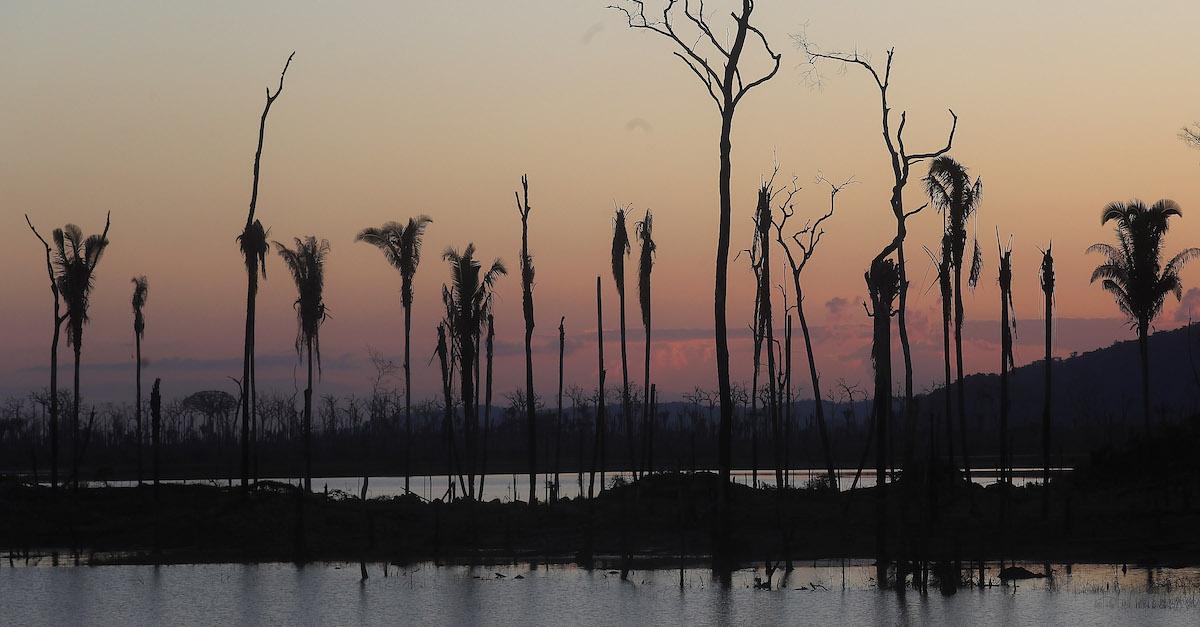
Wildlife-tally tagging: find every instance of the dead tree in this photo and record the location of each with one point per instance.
(58, 320)
(527, 308)
(253, 243)
(883, 283)
(718, 67)
(901, 161)
(806, 241)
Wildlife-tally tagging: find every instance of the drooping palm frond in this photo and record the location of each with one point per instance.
(306, 263)
(141, 291)
(468, 299)
(75, 261)
(253, 243)
(644, 231)
(952, 191)
(401, 246)
(976, 266)
(620, 248)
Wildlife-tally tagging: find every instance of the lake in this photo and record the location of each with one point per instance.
(425, 594)
(505, 486)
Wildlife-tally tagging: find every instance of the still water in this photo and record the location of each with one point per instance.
(424, 594)
(516, 487)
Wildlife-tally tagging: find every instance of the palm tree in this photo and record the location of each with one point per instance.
(306, 262)
(141, 288)
(253, 243)
(401, 246)
(468, 302)
(951, 190)
(1134, 274)
(644, 231)
(527, 308)
(620, 249)
(1047, 281)
(59, 318)
(75, 263)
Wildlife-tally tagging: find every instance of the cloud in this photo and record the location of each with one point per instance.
(837, 306)
(1189, 306)
(639, 124)
(591, 33)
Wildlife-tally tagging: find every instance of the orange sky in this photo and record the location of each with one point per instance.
(393, 109)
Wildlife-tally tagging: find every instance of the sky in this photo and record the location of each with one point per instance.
(393, 109)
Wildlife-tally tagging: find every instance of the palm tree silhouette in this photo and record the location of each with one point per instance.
(401, 246)
(644, 232)
(75, 263)
(620, 249)
(1134, 274)
(306, 262)
(952, 191)
(468, 302)
(59, 318)
(141, 288)
(253, 244)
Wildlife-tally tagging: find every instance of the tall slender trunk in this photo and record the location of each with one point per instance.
(487, 402)
(54, 406)
(910, 407)
(814, 377)
(527, 307)
(626, 409)
(1144, 352)
(647, 418)
(308, 392)
(137, 342)
(1005, 359)
(562, 345)
(946, 315)
(248, 371)
(407, 397)
(881, 355)
(1046, 395)
(721, 549)
(156, 432)
(598, 450)
(75, 422)
(787, 404)
(959, 383)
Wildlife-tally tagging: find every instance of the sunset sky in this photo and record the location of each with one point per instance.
(393, 109)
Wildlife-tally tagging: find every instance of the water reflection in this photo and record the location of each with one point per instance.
(559, 594)
(508, 487)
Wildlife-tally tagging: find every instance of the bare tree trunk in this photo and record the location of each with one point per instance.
(527, 306)
(1048, 290)
(1144, 352)
(487, 402)
(308, 420)
(75, 421)
(959, 383)
(562, 344)
(156, 432)
(408, 399)
(814, 377)
(598, 449)
(137, 341)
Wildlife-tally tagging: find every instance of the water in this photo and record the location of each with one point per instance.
(502, 486)
(425, 594)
